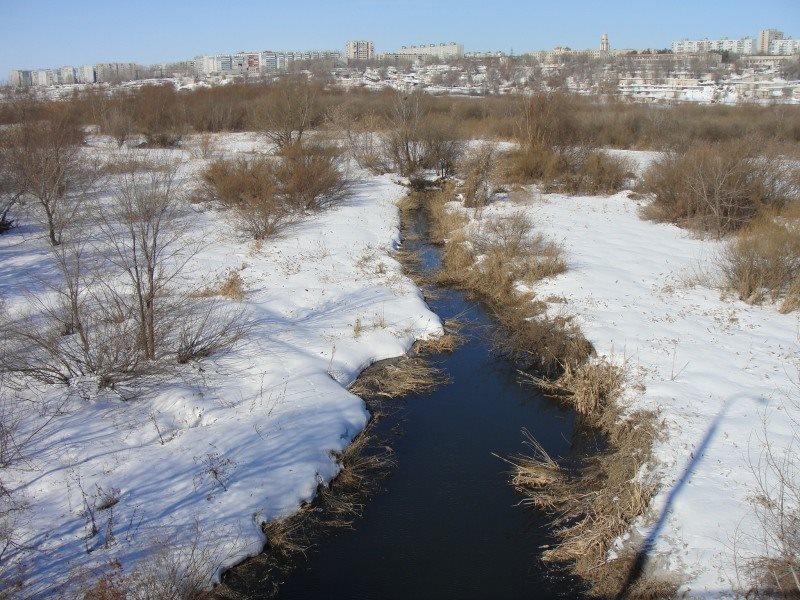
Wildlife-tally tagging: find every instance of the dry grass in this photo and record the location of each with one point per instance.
(442, 221)
(591, 386)
(763, 261)
(396, 378)
(593, 506)
(449, 341)
(571, 170)
(230, 286)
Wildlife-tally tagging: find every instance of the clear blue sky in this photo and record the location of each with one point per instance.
(50, 33)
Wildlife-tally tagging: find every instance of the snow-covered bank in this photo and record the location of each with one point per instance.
(718, 372)
(199, 461)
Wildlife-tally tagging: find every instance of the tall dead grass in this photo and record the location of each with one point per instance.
(594, 504)
(763, 260)
(568, 169)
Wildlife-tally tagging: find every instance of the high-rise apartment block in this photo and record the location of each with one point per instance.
(359, 50)
(605, 47)
(765, 39)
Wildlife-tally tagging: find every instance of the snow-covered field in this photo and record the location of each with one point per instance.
(201, 459)
(720, 373)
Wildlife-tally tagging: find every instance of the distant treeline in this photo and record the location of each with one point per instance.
(164, 115)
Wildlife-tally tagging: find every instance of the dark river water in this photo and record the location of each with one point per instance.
(447, 523)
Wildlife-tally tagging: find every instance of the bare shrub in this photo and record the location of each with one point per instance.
(403, 145)
(146, 230)
(717, 188)
(568, 169)
(207, 328)
(117, 119)
(478, 170)
(764, 260)
(9, 197)
(311, 177)
(443, 146)
(508, 244)
(120, 313)
(250, 189)
(268, 194)
(205, 147)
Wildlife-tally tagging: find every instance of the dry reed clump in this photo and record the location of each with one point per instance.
(231, 286)
(396, 378)
(594, 504)
(717, 188)
(763, 260)
(442, 221)
(568, 169)
(479, 172)
(447, 342)
(491, 260)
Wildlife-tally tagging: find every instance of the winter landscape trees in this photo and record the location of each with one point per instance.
(127, 237)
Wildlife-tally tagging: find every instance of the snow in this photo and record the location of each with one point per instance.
(720, 373)
(201, 459)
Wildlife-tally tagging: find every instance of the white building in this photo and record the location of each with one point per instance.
(440, 51)
(359, 50)
(66, 75)
(20, 78)
(208, 64)
(744, 46)
(86, 74)
(605, 47)
(784, 46)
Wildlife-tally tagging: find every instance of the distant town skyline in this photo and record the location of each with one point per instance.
(90, 31)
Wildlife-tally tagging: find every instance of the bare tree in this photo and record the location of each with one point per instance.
(290, 110)
(9, 196)
(146, 230)
(404, 146)
(45, 163)
(117, 119)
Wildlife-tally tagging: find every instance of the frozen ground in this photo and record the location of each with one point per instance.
(200, 460)
(720, 373)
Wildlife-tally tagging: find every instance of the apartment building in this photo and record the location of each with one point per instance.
(744, 46)
(440, 51)
(116, 72)
(784, 46)
(86, 74)
(765, 39)
(359, 50)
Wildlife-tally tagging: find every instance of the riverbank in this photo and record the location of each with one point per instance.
(721, 377)
(237, 439)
